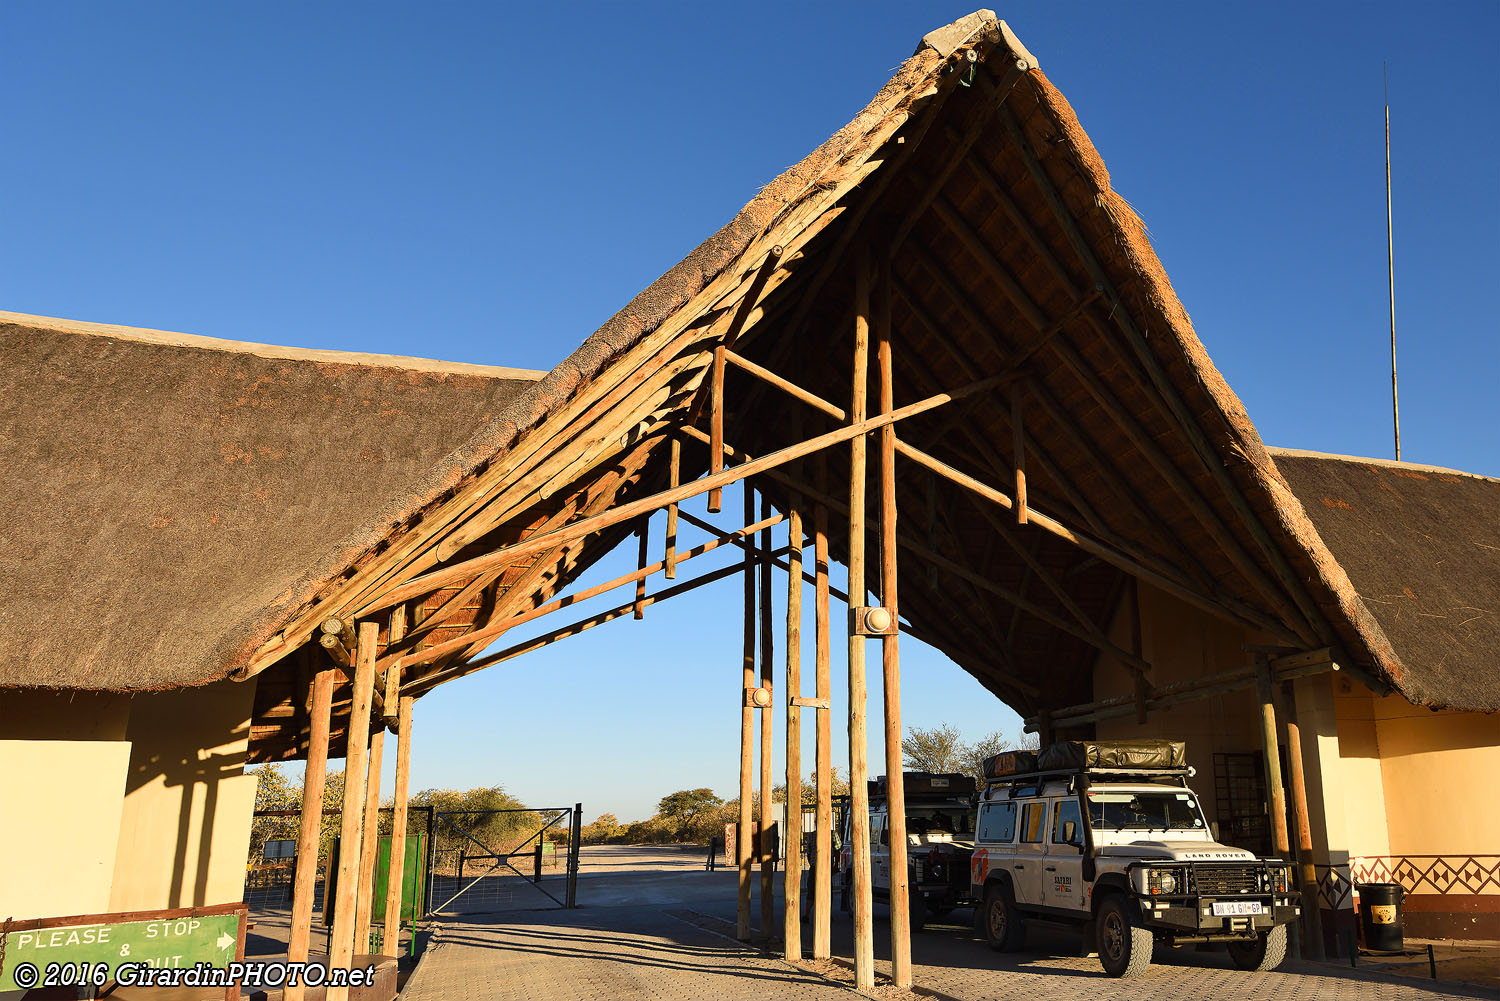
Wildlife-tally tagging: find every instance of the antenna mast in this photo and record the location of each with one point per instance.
(1390, 257)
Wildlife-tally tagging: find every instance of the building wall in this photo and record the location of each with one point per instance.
(1436, 837)
(120, 803)
(62, 798)
(185, 827)
(1393, 789)
(1181, 642)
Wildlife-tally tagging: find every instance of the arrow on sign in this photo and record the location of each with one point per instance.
(226, 941)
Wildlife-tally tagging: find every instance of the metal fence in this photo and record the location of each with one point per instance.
(497, 860)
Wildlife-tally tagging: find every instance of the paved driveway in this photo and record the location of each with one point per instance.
(668, 935)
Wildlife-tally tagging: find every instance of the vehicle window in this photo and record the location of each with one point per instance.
(1065, 814)
(877, 829)
(1144, 811)
(940, 820)
(997, 822)
(1032, 818)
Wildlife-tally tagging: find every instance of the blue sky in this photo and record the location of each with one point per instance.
(489, 183)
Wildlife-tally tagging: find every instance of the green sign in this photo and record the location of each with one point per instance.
(160, 942)
(413, 878)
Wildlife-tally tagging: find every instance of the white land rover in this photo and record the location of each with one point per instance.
(1108, 836)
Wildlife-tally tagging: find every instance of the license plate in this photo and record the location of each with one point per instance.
(1223, 908)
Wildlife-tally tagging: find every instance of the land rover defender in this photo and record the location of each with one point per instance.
(1107, 835)
(939, 837)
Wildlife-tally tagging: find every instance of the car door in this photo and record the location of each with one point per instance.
(1062, 869)
(1031, 849)
(880, 853)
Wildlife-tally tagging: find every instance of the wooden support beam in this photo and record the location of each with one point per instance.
(674, 478)
(791, 925)
(643, 552)
(747, 730)
(1211, 459)
(916, 549)
(900, 889)
(448, 672)
(619, 513)
(436, 652)
(341, 941)
(395, 633)
(721, 350)
(822, 888)
(864, 943)
(1271, 758)
(1312, 917)
(337, 651)
(1175, 693)
(309, 831)
(391, 939)
(1019, 451)
(767, 721)
(364, 903)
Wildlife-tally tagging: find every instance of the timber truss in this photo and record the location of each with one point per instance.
(1049, 439)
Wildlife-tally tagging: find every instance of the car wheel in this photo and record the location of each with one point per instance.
(1001, 925)
(1261, 954)
(1124, 945)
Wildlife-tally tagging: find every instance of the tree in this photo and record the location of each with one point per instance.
(943, 749)
(604, 828)
(686, 804)
(939, 749)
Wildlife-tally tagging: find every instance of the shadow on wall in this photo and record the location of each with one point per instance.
(185, 828)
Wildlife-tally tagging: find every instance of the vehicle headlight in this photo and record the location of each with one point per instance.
(1161, 881)
(1282, 876)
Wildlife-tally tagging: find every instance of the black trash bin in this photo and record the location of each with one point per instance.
(1380, 916)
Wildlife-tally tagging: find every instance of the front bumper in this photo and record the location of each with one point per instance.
(1195, 916)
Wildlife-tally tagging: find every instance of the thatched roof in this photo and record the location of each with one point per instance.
(171, 498)
(1008, 253)
(1422, 548)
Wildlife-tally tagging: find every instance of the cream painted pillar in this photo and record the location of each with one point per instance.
(1323, 769)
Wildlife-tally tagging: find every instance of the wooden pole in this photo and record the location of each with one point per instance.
(767, 719)
(891, 653)
(675, 479)
(391, 940)
(1018, 434)
(1390, 258)
(859, 796)
(823, 875)
(619, 513)
(716, 426)
(1275, 792)
(643, 553)
(364, 903)
(309, 833)
(341, 945)
(791, 926)
(1312, 918)
(747, 730)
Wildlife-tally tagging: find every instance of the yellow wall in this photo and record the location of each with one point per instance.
(58, 838)
(1181, 642)
(1414, 771)
(185, 827)
(121, 803)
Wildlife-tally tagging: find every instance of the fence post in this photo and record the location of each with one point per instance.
(536, 874)
(574, 837)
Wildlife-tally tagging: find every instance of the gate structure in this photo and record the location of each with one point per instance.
(495, 860)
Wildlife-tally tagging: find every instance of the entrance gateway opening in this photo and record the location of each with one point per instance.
(939, 351)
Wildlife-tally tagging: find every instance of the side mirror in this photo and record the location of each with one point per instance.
(1070, 832)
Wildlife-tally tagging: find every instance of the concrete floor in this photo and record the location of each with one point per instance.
(653, 924)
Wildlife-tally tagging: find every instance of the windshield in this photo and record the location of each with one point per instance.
(927, 820)
(1144, 811)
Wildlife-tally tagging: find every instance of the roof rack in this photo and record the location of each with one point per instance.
(1182, 774)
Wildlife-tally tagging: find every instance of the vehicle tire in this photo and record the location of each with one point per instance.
(1262, 954)
(1124, 945)
(999, 922)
